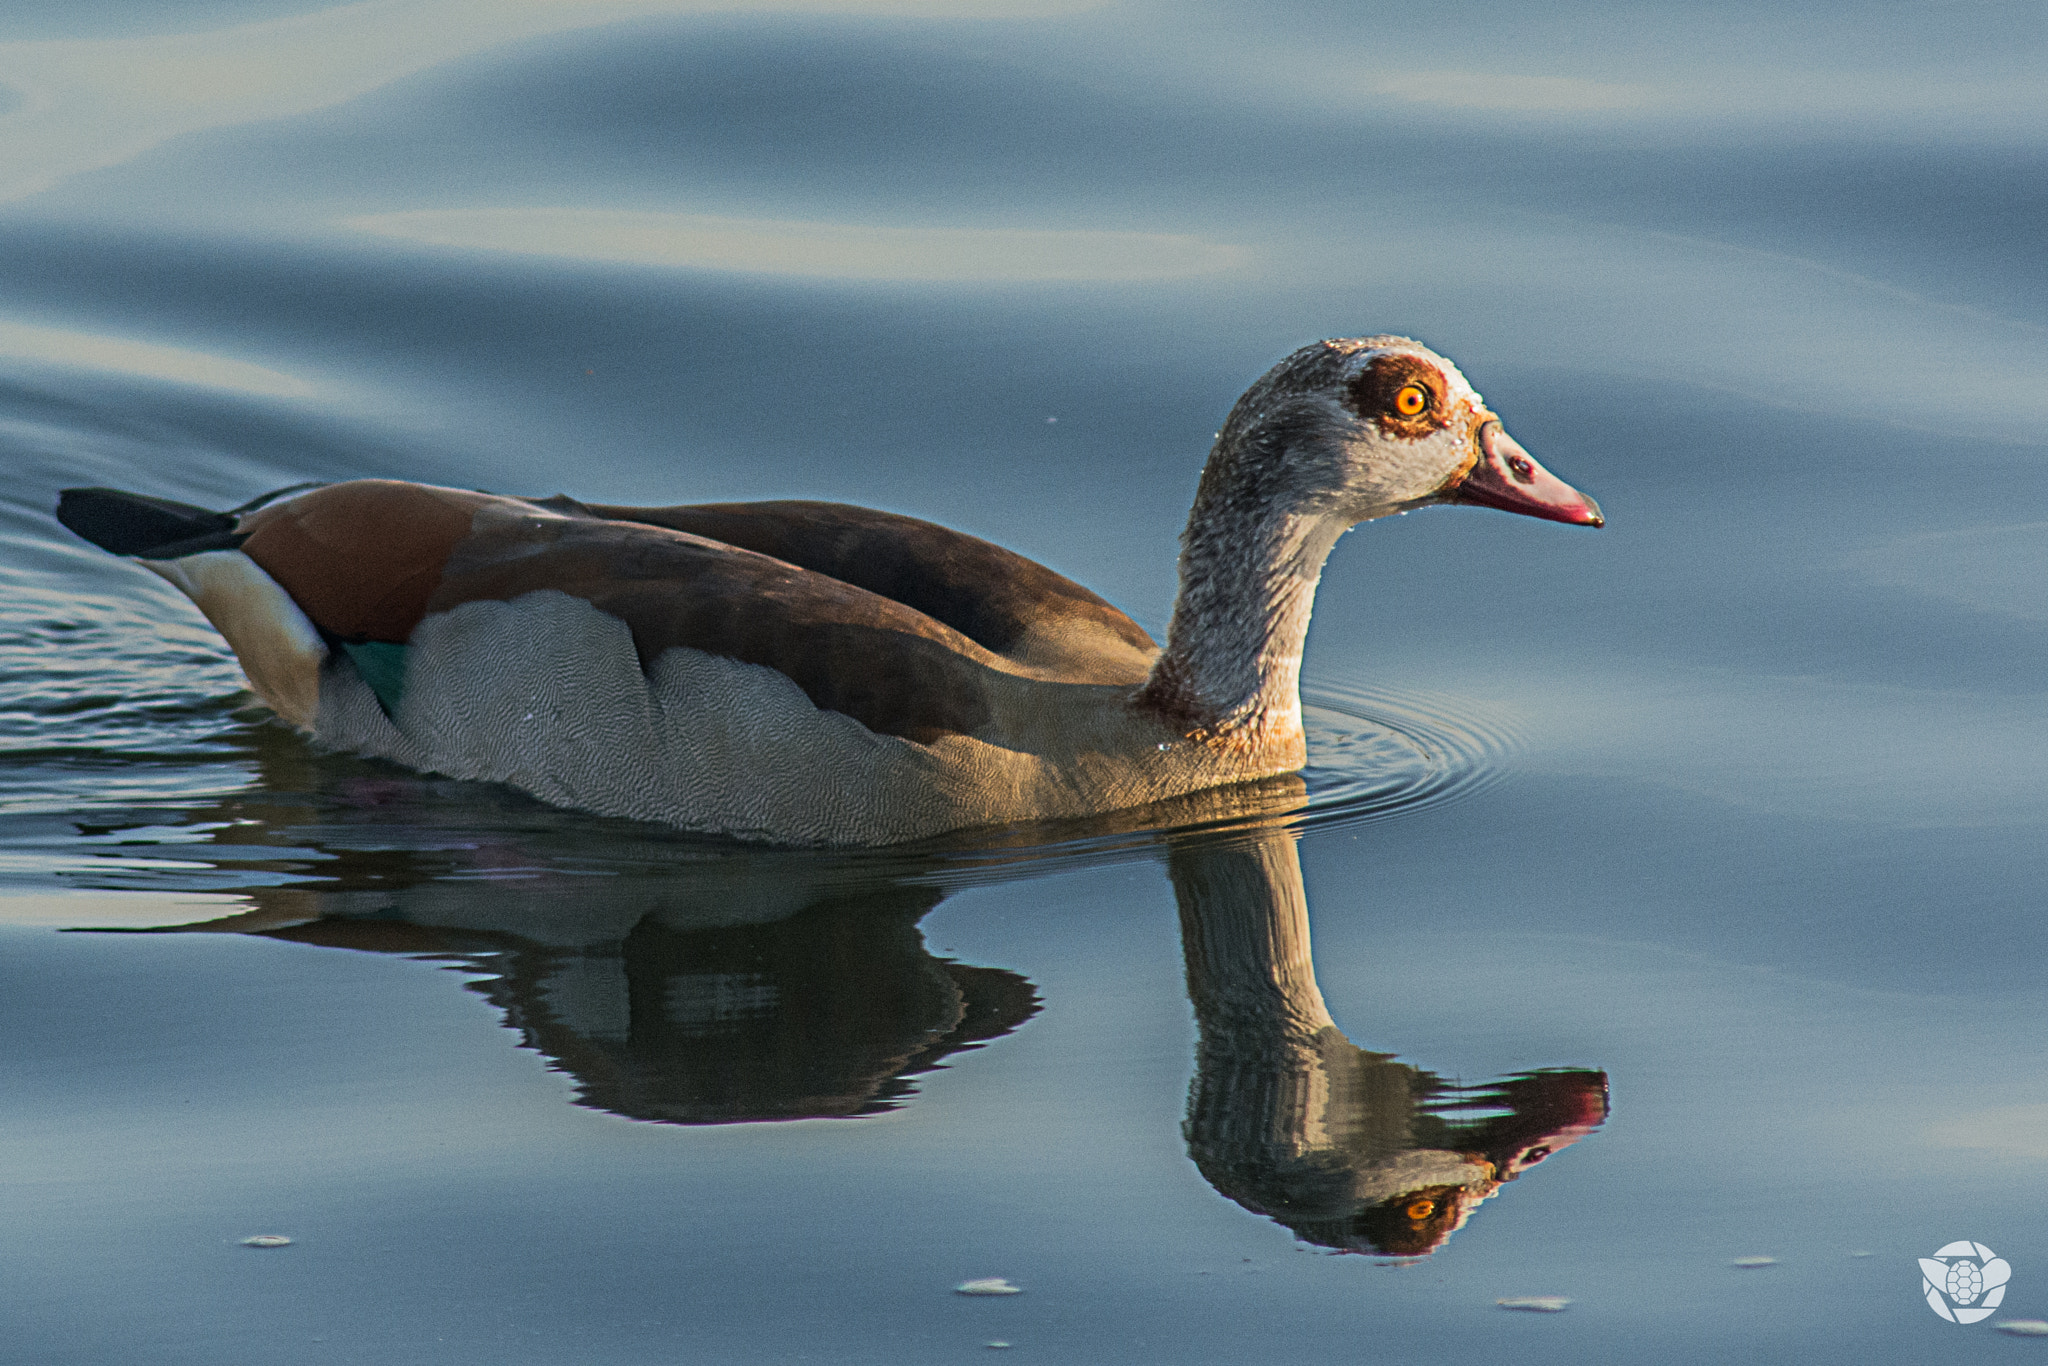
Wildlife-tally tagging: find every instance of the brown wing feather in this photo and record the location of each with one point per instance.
(1002, 601)
(362, 558)
(893, 669)
(366, 560)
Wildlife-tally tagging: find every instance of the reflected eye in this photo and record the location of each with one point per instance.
(1410, 400)
(1534, 1155)
(1421, 1210)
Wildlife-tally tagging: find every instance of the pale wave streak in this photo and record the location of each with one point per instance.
(87, 104)
(1510, 92)
(86, 350)
(844, 251)
(2012, 1131)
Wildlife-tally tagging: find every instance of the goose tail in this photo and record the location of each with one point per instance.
(154, 528)
(199, 551)
(133, 524)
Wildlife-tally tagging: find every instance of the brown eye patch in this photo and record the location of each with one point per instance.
(1405, 395)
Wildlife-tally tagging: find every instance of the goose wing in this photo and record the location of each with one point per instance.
(368, 560)
(1007, 604)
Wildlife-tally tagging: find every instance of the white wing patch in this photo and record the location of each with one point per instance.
(546, 692)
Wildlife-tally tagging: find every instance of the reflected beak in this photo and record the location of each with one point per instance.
(1507, 477)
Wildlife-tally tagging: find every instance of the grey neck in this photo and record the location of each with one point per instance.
(1232, 663)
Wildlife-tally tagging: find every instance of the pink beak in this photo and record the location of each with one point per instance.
(1508, 477)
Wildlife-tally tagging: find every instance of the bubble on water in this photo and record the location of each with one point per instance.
(267, 1240)
(987, 1285)
(1536, 1304)
(1751, 1263)
(2023, 1328)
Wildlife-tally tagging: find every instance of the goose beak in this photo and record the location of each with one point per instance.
(1507, 477)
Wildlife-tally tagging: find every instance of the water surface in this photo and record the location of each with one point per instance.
(1703, 852)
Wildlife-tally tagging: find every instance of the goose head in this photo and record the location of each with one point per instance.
(1350, 430)
(1340, 432)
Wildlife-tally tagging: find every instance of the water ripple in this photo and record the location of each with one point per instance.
(1374, 754)
(1380, 752)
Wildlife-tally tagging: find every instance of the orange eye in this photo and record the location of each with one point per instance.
(1421, 1210)
(1411, 400)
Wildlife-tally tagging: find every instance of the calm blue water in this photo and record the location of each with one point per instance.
(1739, 802)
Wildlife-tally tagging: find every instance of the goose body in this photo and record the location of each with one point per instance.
(808, 672)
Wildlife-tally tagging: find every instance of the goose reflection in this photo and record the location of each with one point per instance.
(686, 983)
(1350, 1149)
(736, 1000)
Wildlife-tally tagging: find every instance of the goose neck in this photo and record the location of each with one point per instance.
(1231, 670)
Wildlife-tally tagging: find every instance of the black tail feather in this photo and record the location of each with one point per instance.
(155, 528)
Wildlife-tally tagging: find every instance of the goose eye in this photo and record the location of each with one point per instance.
(1421, 1210)
(1410, 400)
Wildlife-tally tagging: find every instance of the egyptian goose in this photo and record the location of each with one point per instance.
(814, 673)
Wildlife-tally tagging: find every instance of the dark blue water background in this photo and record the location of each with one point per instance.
(1740, 800)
